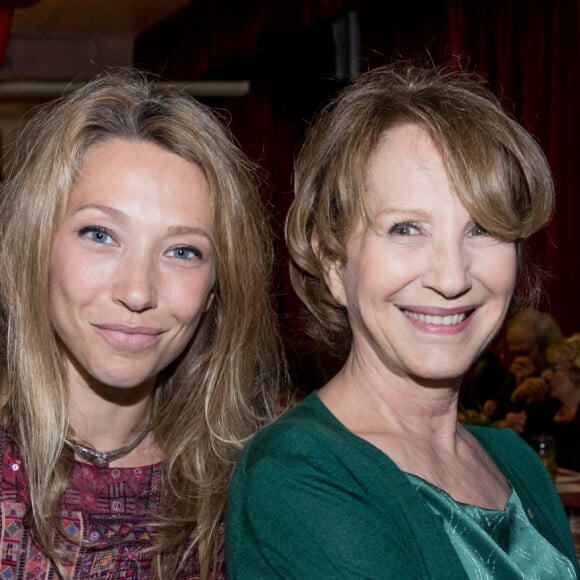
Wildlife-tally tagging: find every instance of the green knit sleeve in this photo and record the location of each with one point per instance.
(299, 516)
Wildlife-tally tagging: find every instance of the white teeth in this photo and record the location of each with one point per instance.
(437, 320)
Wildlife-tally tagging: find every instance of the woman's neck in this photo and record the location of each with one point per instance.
(415, 424)
(108, 426)
(368, 400)
(109, 418)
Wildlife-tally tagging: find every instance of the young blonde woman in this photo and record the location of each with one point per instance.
(138, 341)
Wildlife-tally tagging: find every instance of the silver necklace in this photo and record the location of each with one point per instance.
(103, 458)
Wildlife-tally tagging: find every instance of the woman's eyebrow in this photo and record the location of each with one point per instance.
(118, 214)
(181, 230)
(106, 209)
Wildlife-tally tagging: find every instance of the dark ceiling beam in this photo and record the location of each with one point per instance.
(12, 4)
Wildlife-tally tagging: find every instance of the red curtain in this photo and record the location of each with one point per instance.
(269, 139)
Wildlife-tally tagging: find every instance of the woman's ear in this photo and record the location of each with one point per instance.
(332, 270)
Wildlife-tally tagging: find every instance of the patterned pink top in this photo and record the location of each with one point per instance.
(108, 508)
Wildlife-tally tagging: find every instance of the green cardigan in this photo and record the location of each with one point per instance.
(311, 500)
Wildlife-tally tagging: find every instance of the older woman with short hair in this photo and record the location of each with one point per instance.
(415, 195)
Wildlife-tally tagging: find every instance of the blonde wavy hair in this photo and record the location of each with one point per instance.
(215, 395)
(498, 171)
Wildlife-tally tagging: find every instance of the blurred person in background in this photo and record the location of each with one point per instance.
(562, 377)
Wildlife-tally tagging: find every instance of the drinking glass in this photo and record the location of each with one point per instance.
(545, 447)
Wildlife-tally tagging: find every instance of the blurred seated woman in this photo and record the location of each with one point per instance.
(563, 379)
(415, 194)
(516, 386)
(137, 335)
(529, 334)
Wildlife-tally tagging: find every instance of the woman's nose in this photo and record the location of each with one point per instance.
(136, 284)
(448, 270)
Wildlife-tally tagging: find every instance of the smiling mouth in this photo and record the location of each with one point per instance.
(436, 320)
(145, 330)
(130, 338)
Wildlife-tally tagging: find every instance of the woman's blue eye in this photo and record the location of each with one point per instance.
(404, 229)
(185, 253)
(96, 234)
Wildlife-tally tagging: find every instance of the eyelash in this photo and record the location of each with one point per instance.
(86, 232)
(197, 254)
(402, 228)
(477, 230)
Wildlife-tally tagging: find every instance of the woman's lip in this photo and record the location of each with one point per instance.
(149, 330)
(439, 321)
(438, 311)
(133, 338)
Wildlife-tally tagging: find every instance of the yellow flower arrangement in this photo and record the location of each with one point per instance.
(481, 416)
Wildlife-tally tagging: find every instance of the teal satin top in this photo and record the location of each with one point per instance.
(496, 543)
